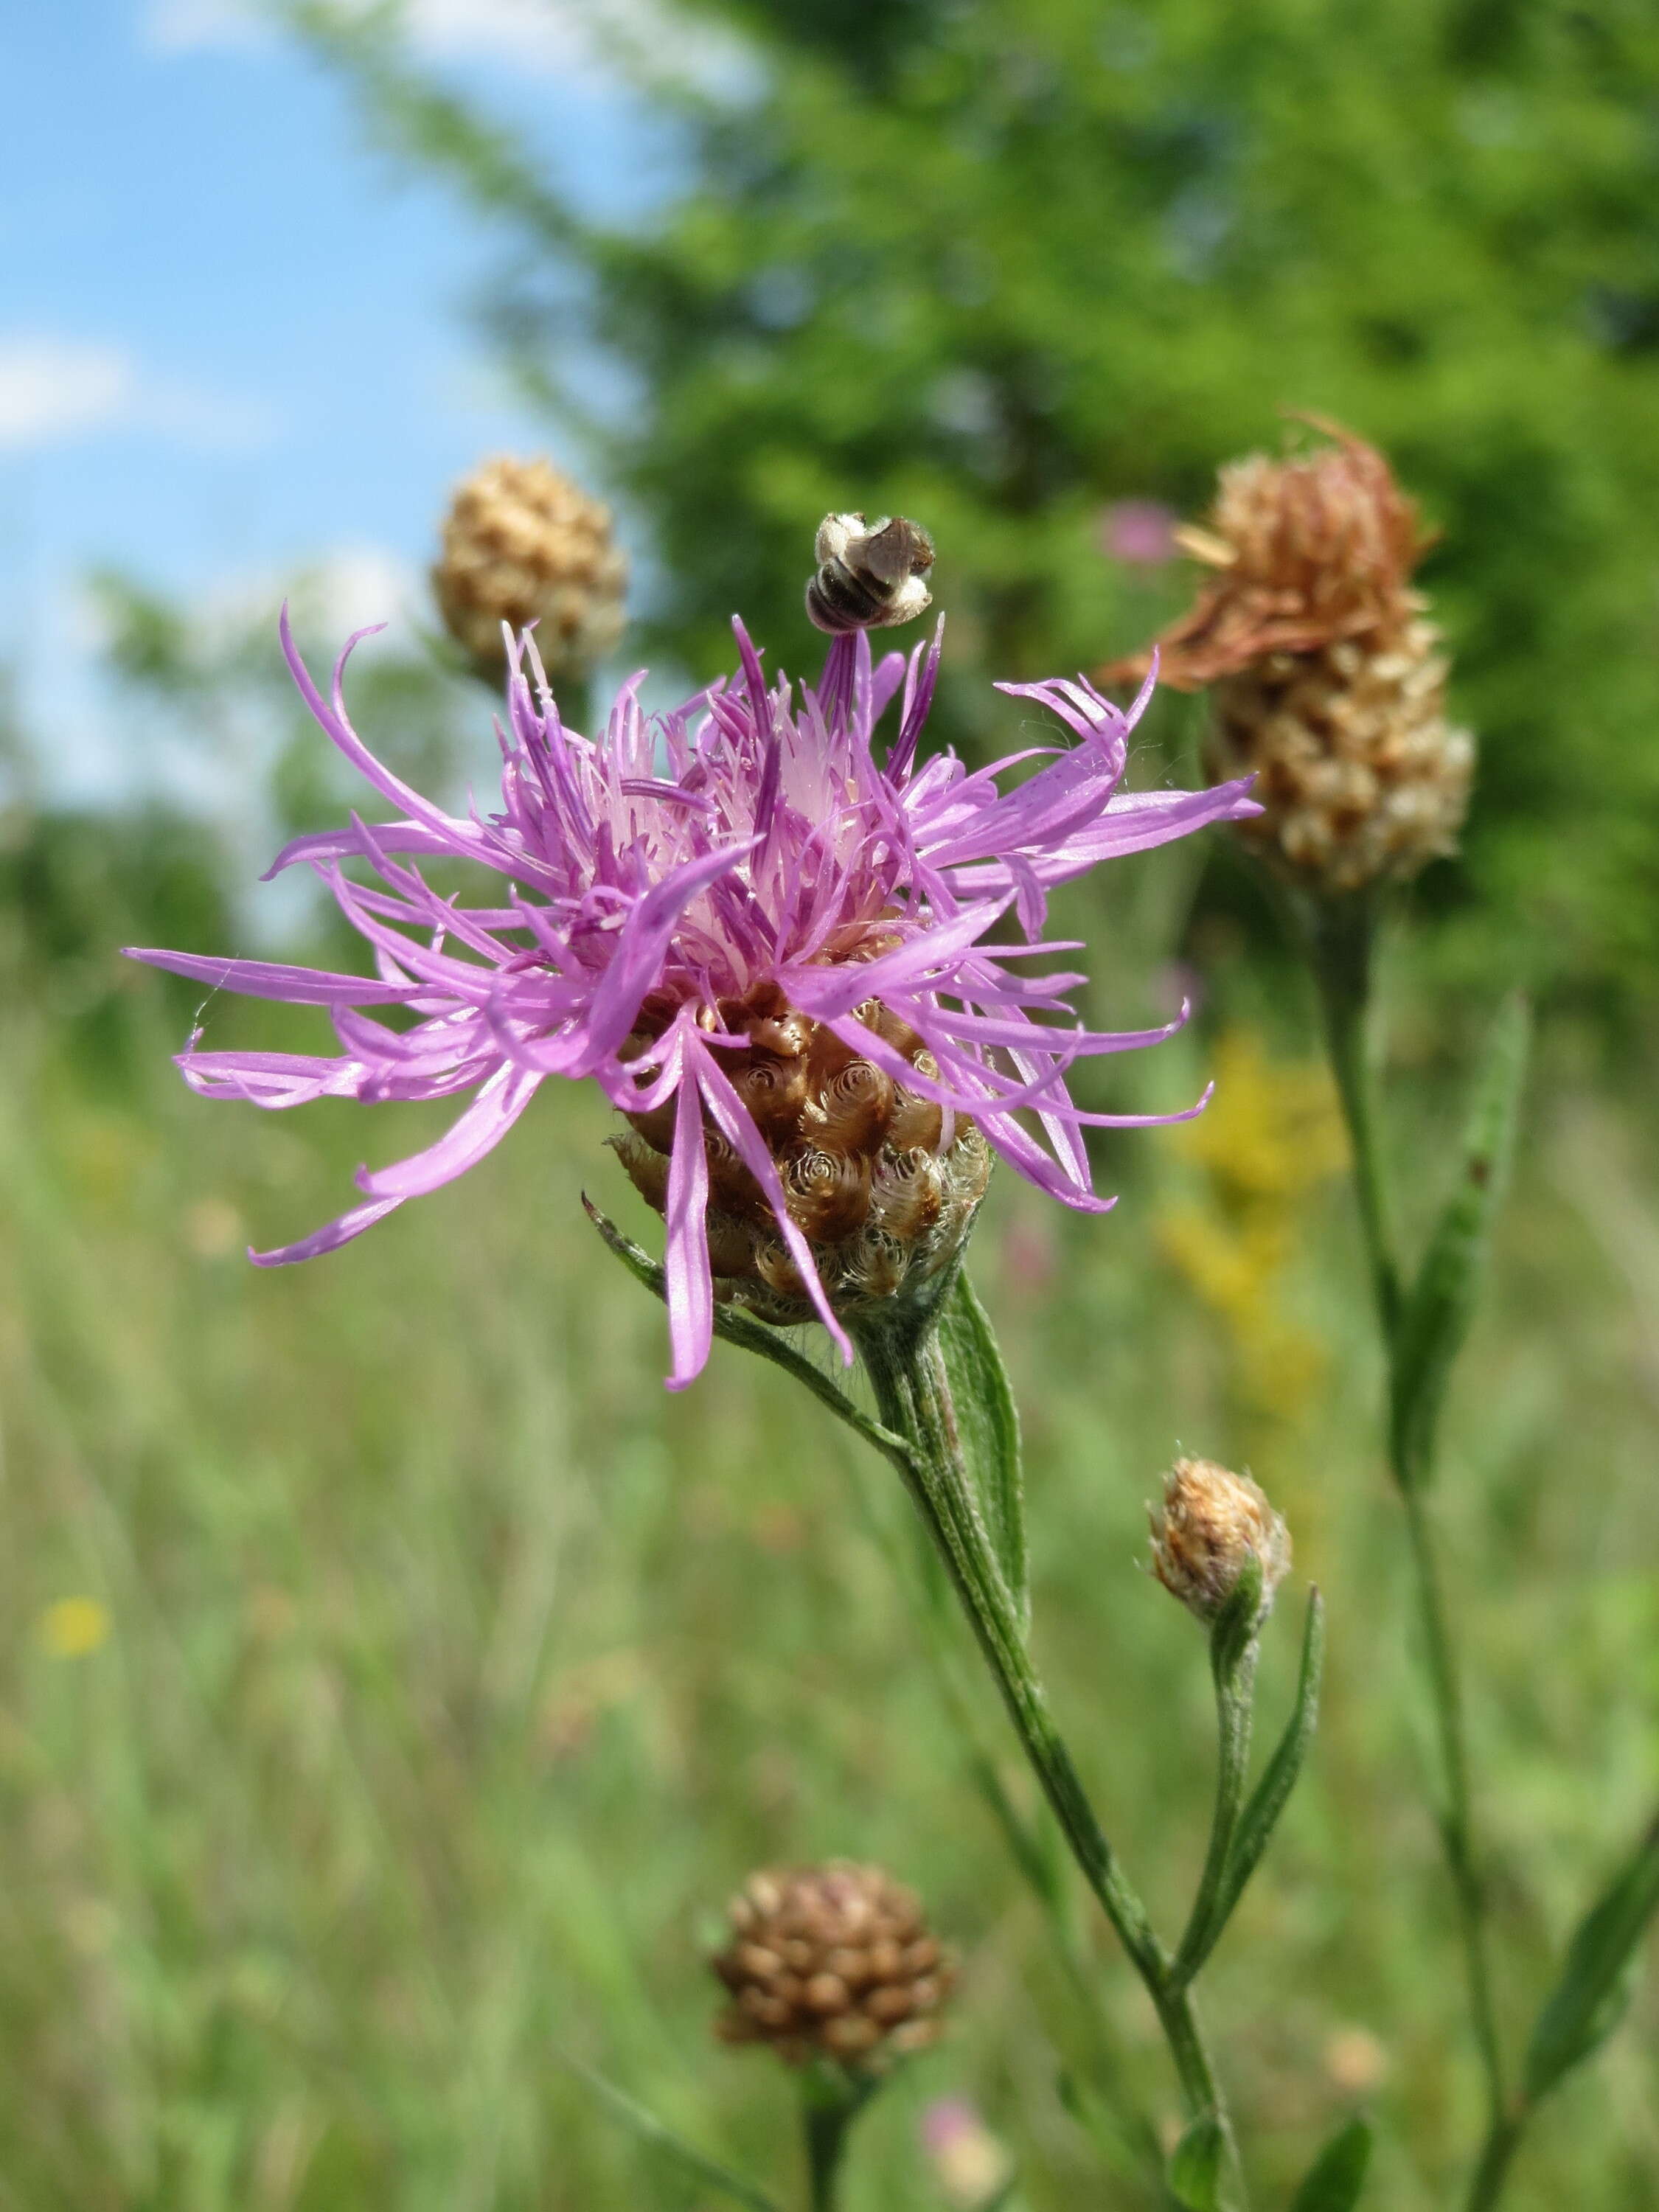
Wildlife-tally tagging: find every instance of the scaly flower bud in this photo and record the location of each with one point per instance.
(1210, 1522)
(883, 1182)
(522, 544)
(832, 1962)
(1326, 679)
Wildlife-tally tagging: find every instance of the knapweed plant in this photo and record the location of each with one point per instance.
(804, 956)
(1327, 682)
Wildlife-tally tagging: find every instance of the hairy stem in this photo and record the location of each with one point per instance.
(913, 1393)
(1235, 1707)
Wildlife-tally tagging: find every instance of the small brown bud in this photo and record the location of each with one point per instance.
(1210, 1523)
(869, 1979)
(1327, 680)
(522, 544)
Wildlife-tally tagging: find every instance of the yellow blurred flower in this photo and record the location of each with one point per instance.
(1274, 1128)
(1273, 1131)
(213, 1229)
(70, 1627)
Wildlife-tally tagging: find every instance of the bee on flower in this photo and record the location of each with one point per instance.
(796, 957)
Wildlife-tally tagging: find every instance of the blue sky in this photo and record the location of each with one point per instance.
(233, 337)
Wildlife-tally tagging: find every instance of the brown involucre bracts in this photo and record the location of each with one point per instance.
(523, 544)
(1327, 680)
(1208, 1525)
(834, 1961)
(883, 1183)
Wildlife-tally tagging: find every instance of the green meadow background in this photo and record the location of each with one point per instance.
(395, 1678)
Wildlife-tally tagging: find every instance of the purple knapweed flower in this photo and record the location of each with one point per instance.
(771, 950)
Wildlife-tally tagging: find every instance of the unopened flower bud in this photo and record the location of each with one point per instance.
(1210, 1525)
(832, 1962)
(1326, 679)
(522, 544)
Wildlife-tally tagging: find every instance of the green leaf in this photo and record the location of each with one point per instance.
(1233, 1640)
(1587, 2002)
(741, 1328)
(1336, 2177)
(662, 2138)
(1441, 1303)
(1195, 2165)
(988, 1423)
(1272, 1793)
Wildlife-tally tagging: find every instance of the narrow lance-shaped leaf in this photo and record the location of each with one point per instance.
(1195, 2164)
(988, 1425)
(1336, 2177)
(1441, 1303)
(660, 2137)
(1272, 1793)
(1587, 2002)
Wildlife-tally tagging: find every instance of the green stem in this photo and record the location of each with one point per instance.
(826, 2127)
(1503, 2141)
(1122, 2130)
(832, 2099)
(1235, 1705)
(1339, 939)
(1134, 2149)
(913, 1394)
(1456, 1824)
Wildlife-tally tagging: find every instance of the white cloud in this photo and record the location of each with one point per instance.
(577, 39)
(54, 389)
(345, 588)
(183, 26)
(339, 590)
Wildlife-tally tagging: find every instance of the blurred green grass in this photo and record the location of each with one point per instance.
(455, 1671)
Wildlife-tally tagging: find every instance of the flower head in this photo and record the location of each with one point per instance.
(833, 1961)
(523, 544)
(1325, 677)
(1210, 1524)
(772, 951)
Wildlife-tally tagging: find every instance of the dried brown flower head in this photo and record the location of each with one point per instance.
(1326, 679)
(1210, 1523)
(881, 1182)
(832, 1962)
(523, 544)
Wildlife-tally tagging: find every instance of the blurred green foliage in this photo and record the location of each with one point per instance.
(444, 1672)
(997, 263)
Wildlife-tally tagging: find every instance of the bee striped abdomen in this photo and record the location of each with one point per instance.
(869, 576)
